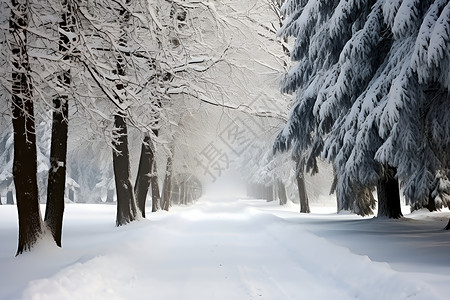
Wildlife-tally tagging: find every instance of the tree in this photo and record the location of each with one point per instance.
(153, 67)
(24, 167)
(281, 192)
(387, 205)
(123, 69)
(321, 35)
(9, 198)
(167, 186)
(6, 159)
(156, 194)
(144, 175)
(56, 187)
(419, 92)
(126, 205)
(304, 202)
(352, 104)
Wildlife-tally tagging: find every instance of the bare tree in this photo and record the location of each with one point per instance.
(24, 168)
(58, 152)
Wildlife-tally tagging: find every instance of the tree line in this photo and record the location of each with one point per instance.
(109, 71)
(120, 63)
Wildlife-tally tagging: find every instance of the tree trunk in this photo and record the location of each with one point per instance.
(389, 196)
(126, 205)
(269, 193)
(183, 193)
(304, 202)
(109, 196)
(156, 196)
(9, 198)
(339, 195)
(281, 192)
(144, 174)
(259, 191)
(431, 206)
(72, 195)
(147, 176)
(25, 157)
(168, 181)
(54, 210)
(191, 195)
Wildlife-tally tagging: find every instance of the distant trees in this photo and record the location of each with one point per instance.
(371, 86)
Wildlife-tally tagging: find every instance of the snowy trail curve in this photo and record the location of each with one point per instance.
(222, 249)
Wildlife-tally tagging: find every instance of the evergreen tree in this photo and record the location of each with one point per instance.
(372, 77)
(413, 122)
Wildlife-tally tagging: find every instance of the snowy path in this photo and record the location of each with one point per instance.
(216, 249)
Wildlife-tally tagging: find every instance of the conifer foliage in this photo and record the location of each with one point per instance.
(372, 92)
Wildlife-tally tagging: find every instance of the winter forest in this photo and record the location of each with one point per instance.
(220, 149)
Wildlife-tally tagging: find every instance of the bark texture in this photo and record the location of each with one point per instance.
(389, 196)
(156, 196)
(54, 210)
(24, 162)
(304, 202)
(168, 182)
(57, 174)
(9, 198)
(144, 174)
(126, 204)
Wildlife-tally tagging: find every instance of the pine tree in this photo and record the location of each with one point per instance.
(413, 122)
(372, 78)
(322, 31)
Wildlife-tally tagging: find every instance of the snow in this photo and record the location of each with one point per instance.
(230, 248)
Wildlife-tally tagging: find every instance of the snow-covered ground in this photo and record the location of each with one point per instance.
(230, 248)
